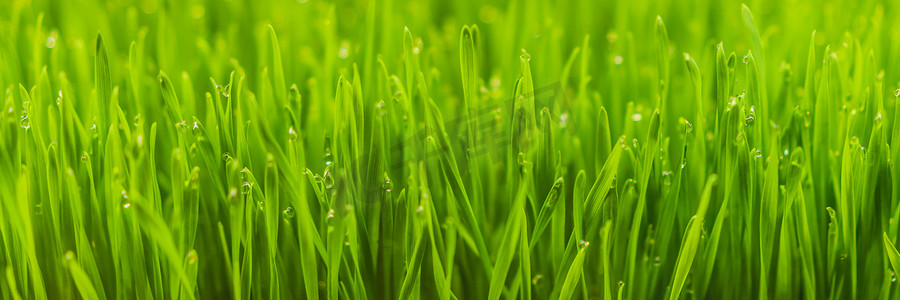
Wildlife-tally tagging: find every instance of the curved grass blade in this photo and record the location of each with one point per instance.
(691, 241)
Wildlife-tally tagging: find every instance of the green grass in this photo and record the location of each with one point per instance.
(522, 149)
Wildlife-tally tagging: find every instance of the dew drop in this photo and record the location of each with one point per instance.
(196, 130)
(537, 278)
(25, 122)
(292, 134)
(618, 60)
(381, 108)
(636, 117)
(328, 157)
(246, 187)
(328, 179)
(525, 57)
(583, 244)
(182, 126)
(245, 177)
(344, 52)
(656, 261)
(667, 177)
(192, 257)
(288, 213)
(611, 37)
(757, 153)
(387, 185)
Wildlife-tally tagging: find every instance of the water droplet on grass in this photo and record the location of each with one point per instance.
(182, 126)
(292, 134)
(196, 130)
(537, 278)
(328, 179)
(246, 187)
(288, 213)
(525, 57)
(25, 122)
(328, 157)
(192, 257)
(618, 60)
(344, 51)
(636, 117)
(387, 185)
(667, 177)
(583, 244)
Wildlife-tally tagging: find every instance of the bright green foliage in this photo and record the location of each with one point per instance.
(500, 149)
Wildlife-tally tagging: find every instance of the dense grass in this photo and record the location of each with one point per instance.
(449, 149)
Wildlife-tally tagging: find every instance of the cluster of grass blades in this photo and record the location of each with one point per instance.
(389, 149)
